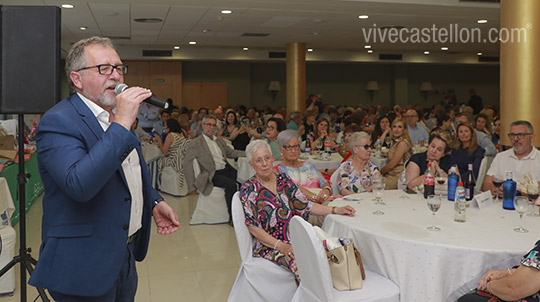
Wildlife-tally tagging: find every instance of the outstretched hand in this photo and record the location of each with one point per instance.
(165, 218)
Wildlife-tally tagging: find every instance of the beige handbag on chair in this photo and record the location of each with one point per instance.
(346, 267)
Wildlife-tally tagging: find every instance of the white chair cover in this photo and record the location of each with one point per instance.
(211, 209)
(316, 281)
(481, 174)
(258, 279)
(169, 182)
(333, 183)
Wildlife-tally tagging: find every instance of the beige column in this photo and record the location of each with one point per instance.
(520, 65)
(296, 77)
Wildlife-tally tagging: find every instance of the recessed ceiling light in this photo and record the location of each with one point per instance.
(363, 17)
(367, 46)
(310, 49)
(226, 11)
(83, 28)
(479, 53)
(482, 21)
(245, 49)
(426, 52)
(205, 30)
(318, 20)
(177, 47)
(315, 33)
(192, 43)
(67, 5)
(148, 20)
(370, 51)
(444, 48)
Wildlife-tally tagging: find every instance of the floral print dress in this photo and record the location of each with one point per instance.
(272, 213)
(353, 180)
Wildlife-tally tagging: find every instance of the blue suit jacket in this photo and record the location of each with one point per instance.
(87, 203)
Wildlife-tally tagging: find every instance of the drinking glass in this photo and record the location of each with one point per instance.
(440, 178)
(434, 204)
(532, 193)
(388, 141)
(378, 191)
(319, 144)
(497, 182)
(521, 203)
(404, 181)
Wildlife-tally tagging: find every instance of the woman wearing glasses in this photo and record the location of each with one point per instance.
(436, 154)
(355, 174)
(270, 199)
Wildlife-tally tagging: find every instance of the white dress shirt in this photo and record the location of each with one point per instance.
(130, 166)
(216, 152)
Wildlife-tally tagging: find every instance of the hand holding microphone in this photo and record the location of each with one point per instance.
(152, 100)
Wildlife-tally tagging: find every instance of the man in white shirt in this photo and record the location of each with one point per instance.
(211, 153)
(417, 134)
(523, 160)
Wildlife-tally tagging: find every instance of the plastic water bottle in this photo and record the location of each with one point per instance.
(509, 192)
(453, 180)
(460, 204)
(378, 144)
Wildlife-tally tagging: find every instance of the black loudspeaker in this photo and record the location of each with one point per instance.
(30, 58)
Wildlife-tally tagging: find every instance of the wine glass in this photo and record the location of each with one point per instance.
(440, 178)
(404, 181)
(378, 190)
(497, 181)
(532, 193)
(388, 141)
(434, 204)
(521, 203)
(319, 144)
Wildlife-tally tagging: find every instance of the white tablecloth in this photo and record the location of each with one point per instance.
(333, 162)
(431, 266)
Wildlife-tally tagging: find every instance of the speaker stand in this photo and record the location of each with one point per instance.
(24, 257)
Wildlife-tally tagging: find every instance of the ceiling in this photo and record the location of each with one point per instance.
(331, 27)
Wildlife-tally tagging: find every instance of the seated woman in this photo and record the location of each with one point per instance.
(444, 123)
(270, 200)
(496, 135)
(436, 154)
(174, 148)
(321, 135)
(510, 284)
(273, 127)
(355, 174)
(399, 154)
(483, 124)
(466, 149)
(230, 128)
(382, 130)
(307, 127)
(343, 149)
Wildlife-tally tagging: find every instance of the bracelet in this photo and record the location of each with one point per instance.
(329, 190)
(333, 210)
(509, 271)
(275, 244)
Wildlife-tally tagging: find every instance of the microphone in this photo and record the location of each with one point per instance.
(151, 100)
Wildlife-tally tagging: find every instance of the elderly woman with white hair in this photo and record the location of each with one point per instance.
(270, 200)
(355, 174)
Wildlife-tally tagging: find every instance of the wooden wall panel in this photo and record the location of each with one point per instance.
(209, 95)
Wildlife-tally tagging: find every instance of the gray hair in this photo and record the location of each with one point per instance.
(470, 118)
(76, 58)
(285, 136)
(523, 123)
(355, 139)
(254, 146)
(295, 114)
(209, 116)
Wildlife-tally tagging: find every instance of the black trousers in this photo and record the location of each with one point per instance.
(473, 297)
(226, 179)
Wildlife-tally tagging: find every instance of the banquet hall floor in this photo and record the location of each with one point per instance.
(197, 263)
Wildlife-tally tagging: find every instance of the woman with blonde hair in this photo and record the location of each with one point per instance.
(399, 153)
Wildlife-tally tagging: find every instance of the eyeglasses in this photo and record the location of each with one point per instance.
(366, 147)
(291, 147)
(518, 135)
(262, 160)
(107, 69)
(211, 125)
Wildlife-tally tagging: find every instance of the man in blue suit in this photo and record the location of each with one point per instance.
(98, 201)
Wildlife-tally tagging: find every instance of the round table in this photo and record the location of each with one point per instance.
(431, 266)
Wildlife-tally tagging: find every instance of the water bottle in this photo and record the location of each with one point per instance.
(378, 144)
(429, 182)
(453, 180)
(509, 192)
(460, 204)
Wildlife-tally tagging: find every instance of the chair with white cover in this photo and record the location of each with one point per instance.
(258, 279)
(168, 182)
(211, 209)
(484, 166)
(315, 278)
(333, 183)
